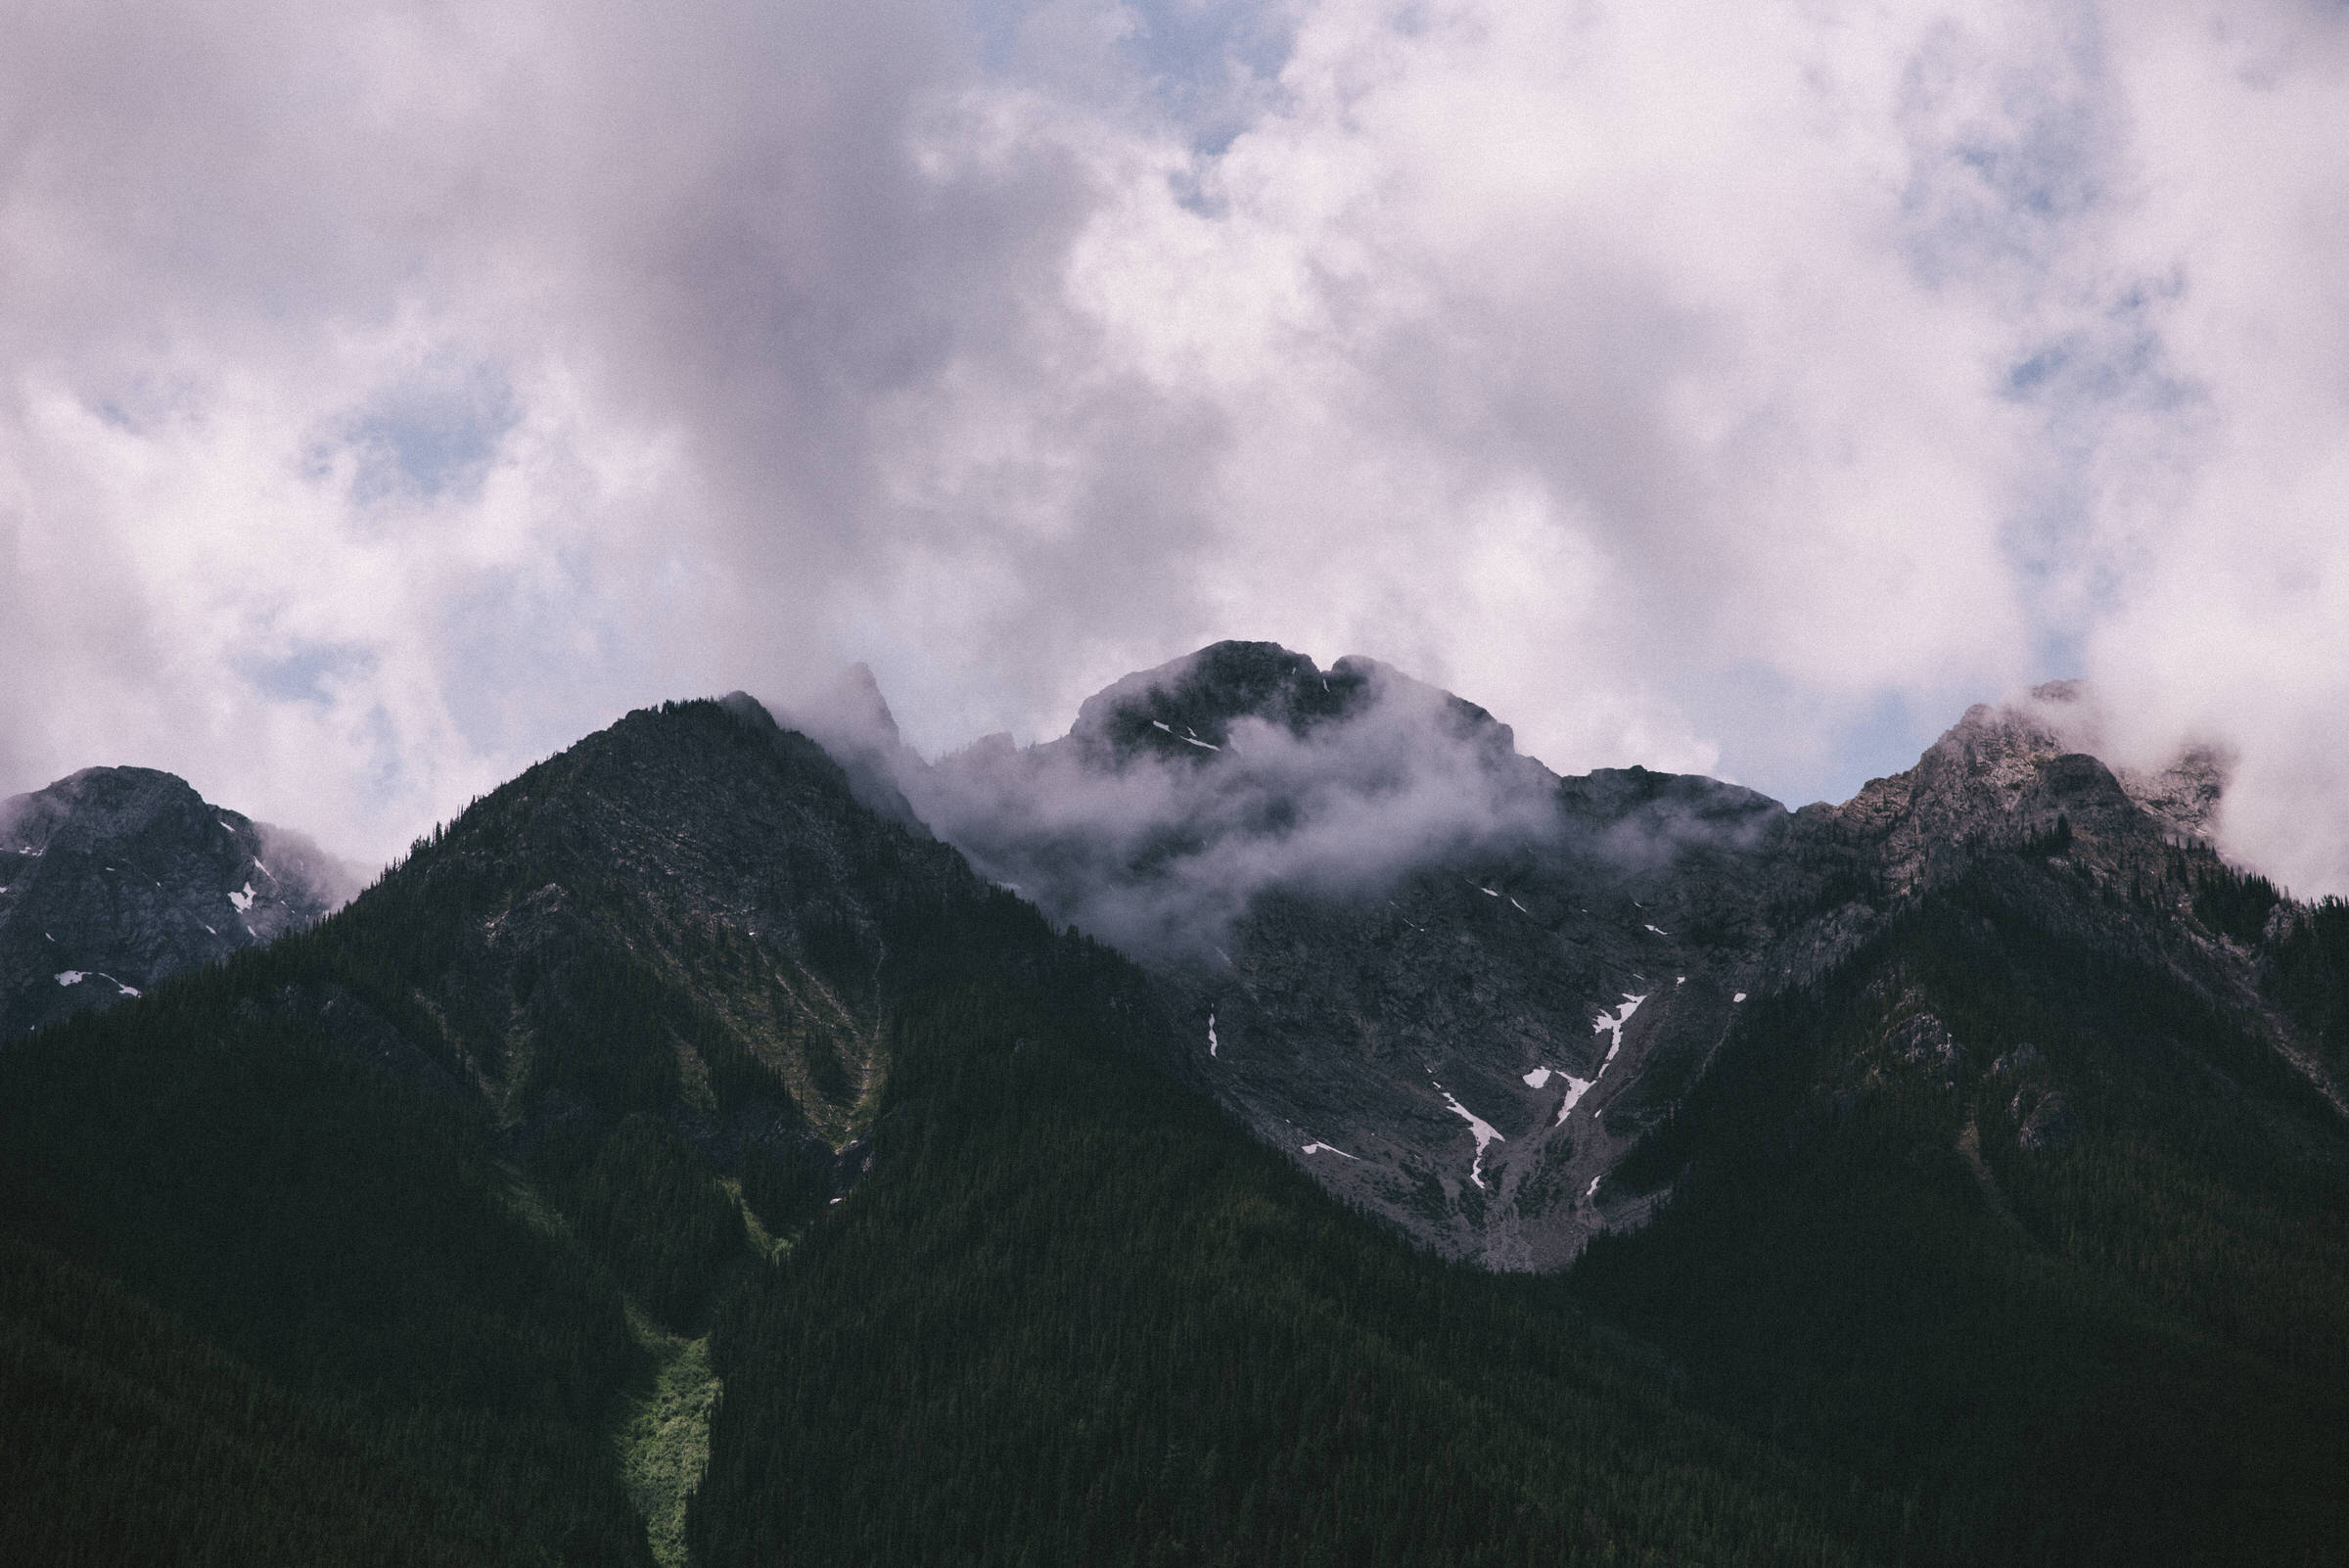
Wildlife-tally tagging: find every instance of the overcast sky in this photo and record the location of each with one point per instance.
(392, 393)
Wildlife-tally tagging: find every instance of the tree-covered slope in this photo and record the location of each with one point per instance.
(268, 1302)
(420, 1235)
(408, 1174)
(2009, 1216)
(1074, 1317)
(327, 1217)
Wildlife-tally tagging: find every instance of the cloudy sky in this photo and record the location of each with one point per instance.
(391, 392)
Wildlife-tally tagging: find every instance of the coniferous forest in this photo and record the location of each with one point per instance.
(410, 1239)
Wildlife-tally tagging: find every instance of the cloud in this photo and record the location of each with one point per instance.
(395, 392)
(1156, 842)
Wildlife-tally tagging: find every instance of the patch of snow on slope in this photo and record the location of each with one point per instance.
(1202, 745)
(1605, 1023)
(1659, 931)
(243, 900)
(1740, 996)
(1329, 1148)
(1211, 1034)
(1612, 1024)
(1575, 1089)
(1485, 1132)
(72, 977)
(1592, 1191)
(1537, 1077)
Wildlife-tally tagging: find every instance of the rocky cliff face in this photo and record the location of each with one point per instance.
(1458, 989)
(116, 877)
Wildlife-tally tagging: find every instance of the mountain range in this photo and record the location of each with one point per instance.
(1276, 1120)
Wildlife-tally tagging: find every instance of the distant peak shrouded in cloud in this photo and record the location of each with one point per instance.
(395, 394)
(1183, 792)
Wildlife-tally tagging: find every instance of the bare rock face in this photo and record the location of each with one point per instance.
(112, 878)
(1453, 987)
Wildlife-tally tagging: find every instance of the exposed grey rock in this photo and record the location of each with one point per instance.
(1458, 989)
(2016, 1062)
(2049, 1125)
(1921, 1039)
(113, 878)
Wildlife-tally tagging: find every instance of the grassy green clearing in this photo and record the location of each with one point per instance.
(662, 1434)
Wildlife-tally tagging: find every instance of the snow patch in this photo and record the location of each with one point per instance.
(1156, 724)
(1605, 1023)
(128, 990)
(1537, 1077)
(1592, 1191)
(1612, 1024)
(1740, 996)
(243, 900)
(1659, 931)
(1202, 745)
(1519, 908)
(1486, 891)
(72, 977)
(1680, 980)
(1575, 1089)
(1330, 1148)
(1211, 1034)
(1485, 1132)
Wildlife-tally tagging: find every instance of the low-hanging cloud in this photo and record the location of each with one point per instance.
(1158, 848)
(395, 391)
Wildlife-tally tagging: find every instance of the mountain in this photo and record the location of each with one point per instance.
(1459, 990)
(112, 878)
(417, 1217)
(433, 1233)
(694, 1152)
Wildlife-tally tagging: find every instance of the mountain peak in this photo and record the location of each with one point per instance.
(113, 878)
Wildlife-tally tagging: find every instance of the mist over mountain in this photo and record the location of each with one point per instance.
(728, 1141)
(1459, 990)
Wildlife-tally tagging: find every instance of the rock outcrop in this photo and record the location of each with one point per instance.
(113, 878)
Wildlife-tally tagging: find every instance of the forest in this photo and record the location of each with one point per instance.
(2001, 1243)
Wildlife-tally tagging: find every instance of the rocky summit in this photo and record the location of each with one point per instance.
(1458, 989)
(112, 878)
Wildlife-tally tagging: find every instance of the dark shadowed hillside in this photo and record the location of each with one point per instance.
(674, 1158)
